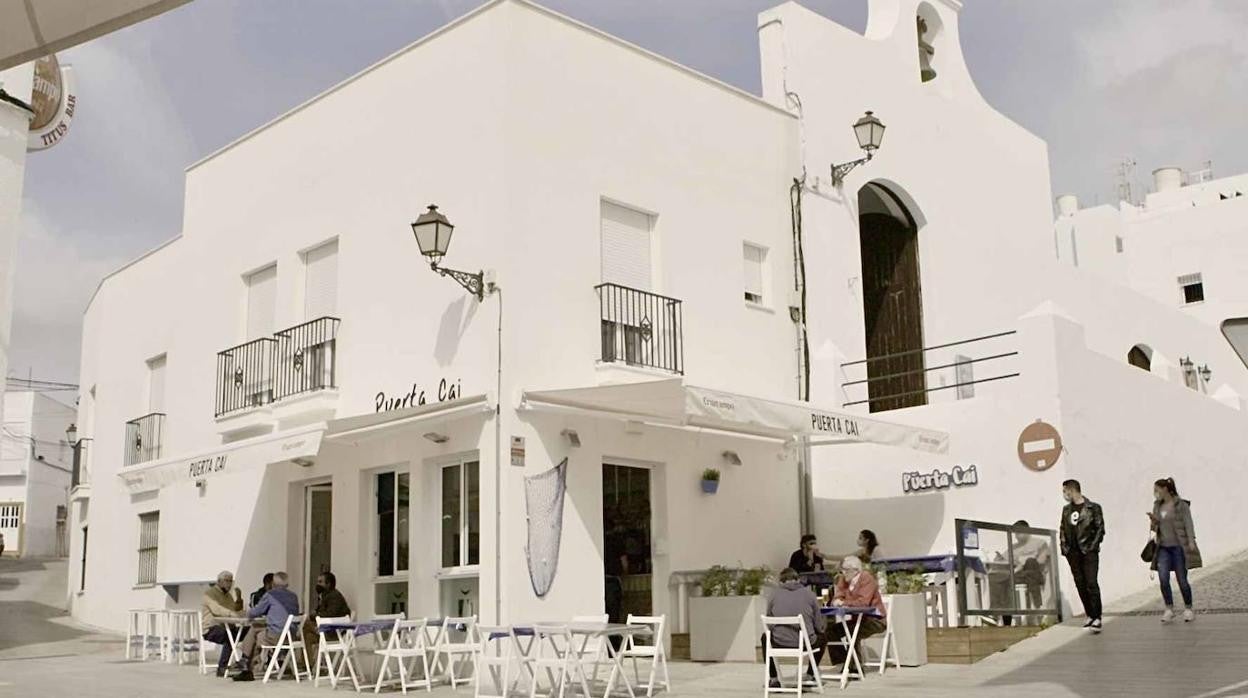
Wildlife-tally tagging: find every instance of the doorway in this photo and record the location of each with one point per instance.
(318, 525)
(892, 300)
(626, 526)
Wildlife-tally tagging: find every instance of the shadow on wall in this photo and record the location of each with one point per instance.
(455, 321)
(905, 526)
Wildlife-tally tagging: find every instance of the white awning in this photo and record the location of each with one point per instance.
(247, 454)
(380, 423)
(33, 28)
(671, 402)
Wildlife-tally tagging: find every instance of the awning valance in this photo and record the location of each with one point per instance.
(231, 458)
(673, 402)
(379, 423)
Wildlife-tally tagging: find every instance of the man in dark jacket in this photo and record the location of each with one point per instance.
(330, 604)
(807, 558)
(1082, 530)
(265, 585)
(792, 598)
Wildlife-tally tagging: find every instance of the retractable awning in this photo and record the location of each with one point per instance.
(672, 402)
(367, 426)
(33, 28)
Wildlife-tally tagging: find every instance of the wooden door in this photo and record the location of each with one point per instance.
(893, 312)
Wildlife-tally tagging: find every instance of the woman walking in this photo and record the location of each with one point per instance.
(1171, 523)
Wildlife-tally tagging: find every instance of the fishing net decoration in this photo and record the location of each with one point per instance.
(543, 502)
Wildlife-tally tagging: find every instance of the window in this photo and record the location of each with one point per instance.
(261, 302)
(149, 539)
(156, 384)
(393, 496)
(10, 515)
(626, 243)
(1118, 244)
(1193, 288)
(461, 514)
(82, 577)
(755, 259)
(320, 281)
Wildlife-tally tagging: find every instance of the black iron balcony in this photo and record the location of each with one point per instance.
(245, 376)
(306, 358)
(144, 438)
(81, 474)
(640, 328)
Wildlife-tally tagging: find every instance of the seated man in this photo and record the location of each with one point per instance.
(792, 598)
(258, 594)
(856, 588)
(276, 606)
(807, 558)
(217, 604)
(330, 604)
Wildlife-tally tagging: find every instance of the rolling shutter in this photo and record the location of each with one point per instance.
(261, 302)
(320, 291)
(625, 247)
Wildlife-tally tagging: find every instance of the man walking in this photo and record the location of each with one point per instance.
(1082, 530)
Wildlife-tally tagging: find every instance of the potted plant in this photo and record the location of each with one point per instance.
(710, 481)
(909, 616)
(725, 621)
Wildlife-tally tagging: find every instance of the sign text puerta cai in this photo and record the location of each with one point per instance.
(54, 101)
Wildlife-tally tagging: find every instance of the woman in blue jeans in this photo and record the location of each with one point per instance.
(1171, 522)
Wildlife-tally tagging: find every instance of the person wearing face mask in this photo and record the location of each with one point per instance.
(1172, 528)
(1082, 530)
(330, 603)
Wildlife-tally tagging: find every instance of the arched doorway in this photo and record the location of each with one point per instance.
(892, 300)
(1141, 356)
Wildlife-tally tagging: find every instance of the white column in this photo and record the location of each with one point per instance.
(14, 126)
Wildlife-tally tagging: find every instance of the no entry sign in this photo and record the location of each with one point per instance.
(1039, 446)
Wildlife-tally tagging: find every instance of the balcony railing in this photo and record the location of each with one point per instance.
(245, 376)
(640, 328)
(144, 438)
(306, 358)
(81, 474)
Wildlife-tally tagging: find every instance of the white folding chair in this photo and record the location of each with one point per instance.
(334, 644)
(593, 652)
(494, 661)
(383, 636)
(803, 653)
(451, 650)
(286, 648)
(408, 646)
(888, 648)
(552, 655)
(655, 652)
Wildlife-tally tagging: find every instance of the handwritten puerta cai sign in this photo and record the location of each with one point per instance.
(447, 390)
(54, 101)
(940, 479)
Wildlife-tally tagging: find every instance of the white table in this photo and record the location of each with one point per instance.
(234, 629)
(843, 614)
(587, 631)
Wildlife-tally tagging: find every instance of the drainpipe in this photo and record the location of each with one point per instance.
(498, 465)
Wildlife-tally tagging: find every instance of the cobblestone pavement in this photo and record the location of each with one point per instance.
(1220, 588)
(43, 654)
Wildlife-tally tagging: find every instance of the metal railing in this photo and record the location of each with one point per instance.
(81, 474)
(891, 378)
(144, 437)
(640, 328)
(245, 376)
(1014, 567)
(305, 358)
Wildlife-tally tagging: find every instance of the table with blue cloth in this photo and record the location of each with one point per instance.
(945, 566)
(850, 618)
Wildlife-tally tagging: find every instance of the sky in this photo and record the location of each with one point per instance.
(1156, 81)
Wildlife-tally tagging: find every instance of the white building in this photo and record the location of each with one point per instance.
(35, 469)
(655, 259)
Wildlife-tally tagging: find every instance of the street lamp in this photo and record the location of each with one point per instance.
(1206, 373)
(71, 434)
(433, 236)
(870, 133)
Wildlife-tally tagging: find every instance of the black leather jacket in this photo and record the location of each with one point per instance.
(1089, 527)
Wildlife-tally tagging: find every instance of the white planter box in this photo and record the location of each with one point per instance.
(725, 628)
(910, 629)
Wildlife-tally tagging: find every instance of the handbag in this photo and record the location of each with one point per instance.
(1150, 551)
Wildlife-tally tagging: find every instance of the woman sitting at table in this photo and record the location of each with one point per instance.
(855, 588)
(869, 546)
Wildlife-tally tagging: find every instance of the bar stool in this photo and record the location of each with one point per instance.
(182, 636)
(144, 633)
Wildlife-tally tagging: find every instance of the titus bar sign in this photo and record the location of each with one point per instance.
(940, 479)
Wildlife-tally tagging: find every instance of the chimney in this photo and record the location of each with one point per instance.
(1167, 178)
(1067, 204)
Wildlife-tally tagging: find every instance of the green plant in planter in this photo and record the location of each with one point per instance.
(718, 581)
(710, 475)
(750, 581)
(911, 581)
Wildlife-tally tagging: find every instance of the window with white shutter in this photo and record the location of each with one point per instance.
(261, 302)
(626, 246)
(149, 543)
(156, 384)
(320, 288)
(755, 259)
